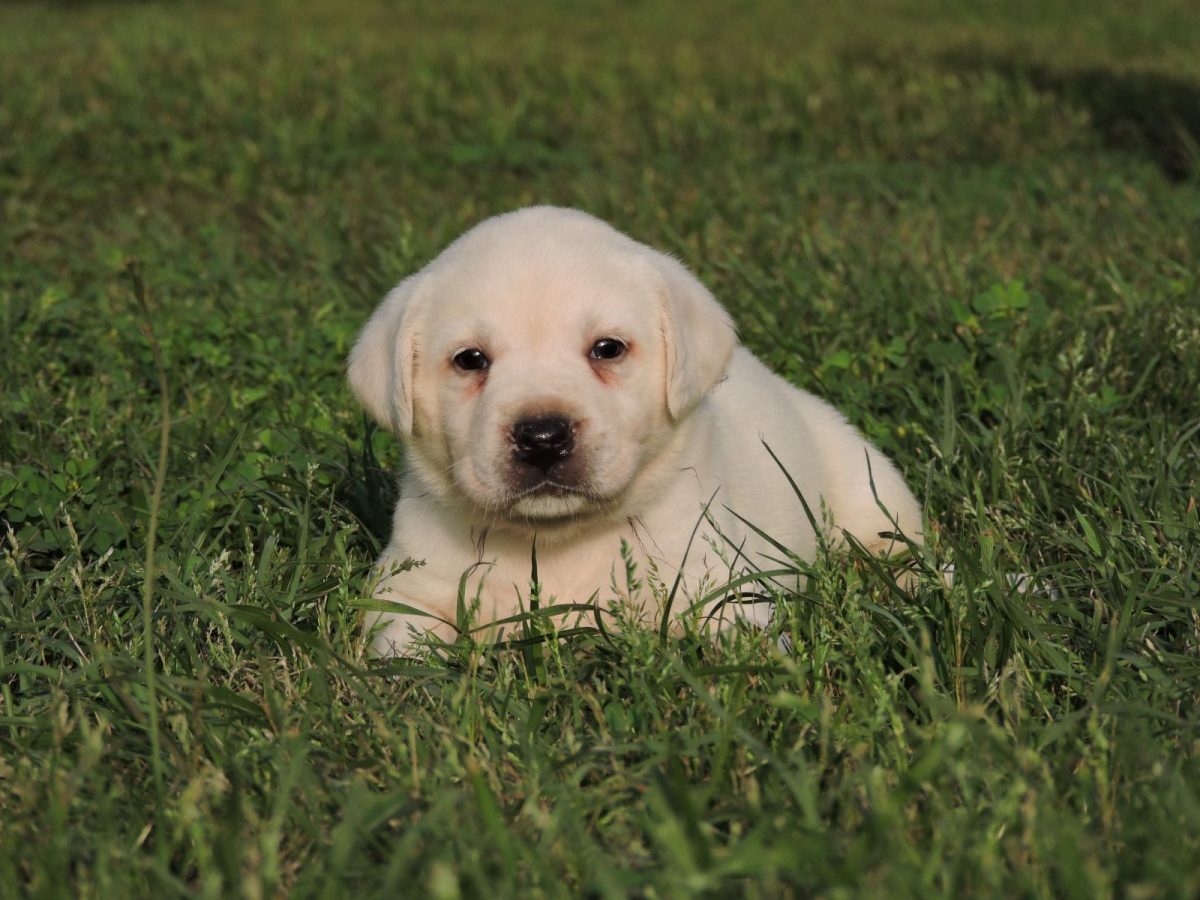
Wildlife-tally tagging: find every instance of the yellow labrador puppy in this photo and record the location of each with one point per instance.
(555, 379)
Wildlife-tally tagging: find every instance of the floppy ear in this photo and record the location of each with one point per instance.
(698, 333)
(380, 367)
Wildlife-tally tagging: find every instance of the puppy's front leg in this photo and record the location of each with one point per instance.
(426, 600)
(415, 620)
(403, 633)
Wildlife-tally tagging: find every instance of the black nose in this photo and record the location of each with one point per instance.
(543, 441)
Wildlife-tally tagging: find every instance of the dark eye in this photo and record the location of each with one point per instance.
(607, 348)
(471, 360)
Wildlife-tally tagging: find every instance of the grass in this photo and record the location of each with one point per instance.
(973, 227)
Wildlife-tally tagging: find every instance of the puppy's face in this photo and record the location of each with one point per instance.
(539, 363)
(539, 386)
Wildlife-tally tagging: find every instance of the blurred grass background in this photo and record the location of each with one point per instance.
(973, 227)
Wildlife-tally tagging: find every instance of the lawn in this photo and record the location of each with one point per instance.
(974, 227)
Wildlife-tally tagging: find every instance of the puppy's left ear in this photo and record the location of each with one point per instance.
(380, 367)
(698, 334)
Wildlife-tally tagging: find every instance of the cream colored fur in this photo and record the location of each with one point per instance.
(679, 421)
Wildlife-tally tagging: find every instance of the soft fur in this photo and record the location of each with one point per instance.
(675, 425)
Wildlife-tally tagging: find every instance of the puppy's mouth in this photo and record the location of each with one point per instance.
(567, 478)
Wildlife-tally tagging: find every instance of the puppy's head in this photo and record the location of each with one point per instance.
(539, 364)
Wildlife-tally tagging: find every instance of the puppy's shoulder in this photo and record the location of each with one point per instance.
(759, 404)
(752, 389)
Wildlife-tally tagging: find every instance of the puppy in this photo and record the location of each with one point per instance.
(555, 380)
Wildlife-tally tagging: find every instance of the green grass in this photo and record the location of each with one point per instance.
(973, 227)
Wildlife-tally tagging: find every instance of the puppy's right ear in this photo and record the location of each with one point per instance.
(380, 367)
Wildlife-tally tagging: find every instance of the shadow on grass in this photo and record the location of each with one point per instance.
(1154, 115)
(368, 489)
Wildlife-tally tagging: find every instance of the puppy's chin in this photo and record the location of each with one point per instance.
(549, 506)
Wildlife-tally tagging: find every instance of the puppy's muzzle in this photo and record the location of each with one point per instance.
(543, 442)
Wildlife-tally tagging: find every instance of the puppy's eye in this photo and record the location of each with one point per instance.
(471, 360)
(607, 348)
